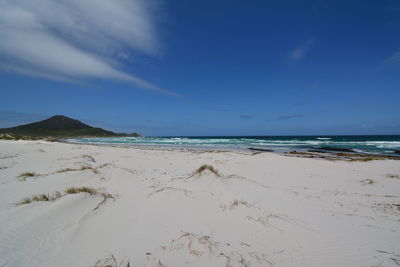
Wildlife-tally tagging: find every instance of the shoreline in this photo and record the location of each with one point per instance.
(380, 145)
(302, 153)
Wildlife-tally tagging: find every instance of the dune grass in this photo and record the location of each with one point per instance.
(88, 157)
(393, 176)
(111, 261)
(84, 189)
(23, 176)
(83, 168)
(367, 181)
(205, 167)
(28, 174)
(72, 190)
(95, 170)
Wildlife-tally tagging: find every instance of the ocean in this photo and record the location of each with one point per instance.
(381, 144)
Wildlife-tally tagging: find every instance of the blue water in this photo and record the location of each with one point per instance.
(386, 144)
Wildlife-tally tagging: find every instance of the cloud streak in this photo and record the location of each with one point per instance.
(75, 40)
(395, 58)
(289, 117)
(217, 109)
(299, 52)
(245, 117)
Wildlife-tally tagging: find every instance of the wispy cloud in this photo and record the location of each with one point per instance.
(395, 58)
(76, 40)
(218, 109)
(245, 117)
(288, 117)
(300, 51)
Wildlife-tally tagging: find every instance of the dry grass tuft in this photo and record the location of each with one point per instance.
(41, 197)
(66, 170)
(197, 245)
(72, 190)
(83, 168)
(367, 181)
(236, 203)
(205, 167)
(25, 175)
(28, 174)
(84, 189)
(111, 261)
(393, 176)
(88, 157)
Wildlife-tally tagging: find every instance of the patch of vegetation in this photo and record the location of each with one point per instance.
(67, 170)
(84, 167)
(393, 176)
(235, 203)
(84, 189)
(41, 197)
(25, 175)
(89, 157)
(72, 190)
(111, 261)
(367, 181)
(12, 136)
(205, 167)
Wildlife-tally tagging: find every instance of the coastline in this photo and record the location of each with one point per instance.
(388, 145)
(323, 153)
(262, 209)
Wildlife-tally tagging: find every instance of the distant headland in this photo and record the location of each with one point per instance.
(58, 126)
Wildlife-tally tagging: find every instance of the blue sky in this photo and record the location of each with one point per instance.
(203, 67)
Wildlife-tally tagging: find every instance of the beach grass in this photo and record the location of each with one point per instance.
(111, 261)
(69, 191)
(205, 167)
(27, 174)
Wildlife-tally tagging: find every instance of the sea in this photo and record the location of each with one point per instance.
(377, 144)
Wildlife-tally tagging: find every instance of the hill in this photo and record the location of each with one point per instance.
(61, 126)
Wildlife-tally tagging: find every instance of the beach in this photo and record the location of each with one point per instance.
(110, 205)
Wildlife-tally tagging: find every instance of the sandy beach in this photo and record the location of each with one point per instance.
(150, 207)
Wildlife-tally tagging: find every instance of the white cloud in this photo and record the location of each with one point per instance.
(300, 51)
(76, 39)
(395, 58)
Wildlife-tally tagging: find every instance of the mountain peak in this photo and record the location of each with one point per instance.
(59, 126)
(59, 117)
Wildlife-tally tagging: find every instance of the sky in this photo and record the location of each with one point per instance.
(190, 68)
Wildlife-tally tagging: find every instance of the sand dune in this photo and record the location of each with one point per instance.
(254, 210)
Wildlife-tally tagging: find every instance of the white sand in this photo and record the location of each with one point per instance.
(289, 211)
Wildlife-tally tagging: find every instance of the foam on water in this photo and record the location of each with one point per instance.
(374, 144)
